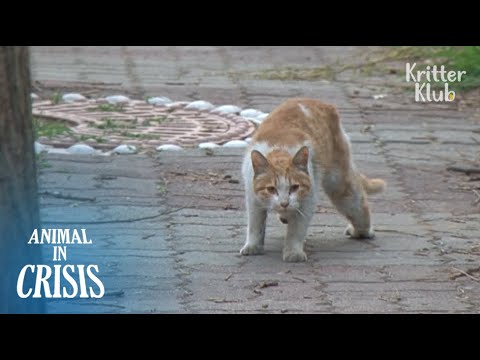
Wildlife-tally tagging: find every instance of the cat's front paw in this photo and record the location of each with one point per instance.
(353, 233)
(250, 249)
(294, 256)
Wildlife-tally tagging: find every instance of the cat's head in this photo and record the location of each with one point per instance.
(281, 181)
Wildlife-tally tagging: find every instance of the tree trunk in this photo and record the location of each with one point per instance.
(19, 213)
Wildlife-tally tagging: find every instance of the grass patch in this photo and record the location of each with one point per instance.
(158, 120)
(41, 161)
(56, 98)
(466, 58)
(409, 53)
(49, 128)
(111, 124)
(161, 188)
(108, 108)
(122, 128)
(138, 136)
(454, 58)
(83, 137)
(296, 73)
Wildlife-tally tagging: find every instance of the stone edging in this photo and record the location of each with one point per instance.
(127, 127)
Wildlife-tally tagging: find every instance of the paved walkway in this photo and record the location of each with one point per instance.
(168, 226)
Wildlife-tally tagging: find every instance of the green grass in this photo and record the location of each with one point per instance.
(122, 127)
(159, 120)
(111, 124)
(379, 62)
(108, 108)
(83, 137)
(161, 188)
(296, 73)
(138, 136)
(465, 58)
(49, 128)
(409, 53)
(56, 98)
(41, 161)
(456, 58)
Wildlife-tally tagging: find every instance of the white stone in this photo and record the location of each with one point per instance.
(34, 96)
(177, 103)
(379, 96)
(228, 109)
(125, 149)
(169, 147)
(200, 105)
(236, 144)
(208, 145)
(254, 120)
(262, 117)
(137, 102)
(117, 99)
(58, 151)
(251, 113)
(39, 148)
(247, 140)
(159, 100)
(81, 149)
(72, 97)
(100, 100)
(106, 153)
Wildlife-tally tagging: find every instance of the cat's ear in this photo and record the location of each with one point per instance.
(259, 162)
(300, 160)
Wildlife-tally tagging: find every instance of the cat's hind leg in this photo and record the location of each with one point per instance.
(349, 197)
(257, 219)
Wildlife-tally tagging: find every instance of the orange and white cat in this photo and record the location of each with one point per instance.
(299, 147)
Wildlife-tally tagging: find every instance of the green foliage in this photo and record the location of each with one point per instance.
(49, 128)
(456, 58)
(464, 58)
(109, 108)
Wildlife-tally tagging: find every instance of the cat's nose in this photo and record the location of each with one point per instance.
(284, 204)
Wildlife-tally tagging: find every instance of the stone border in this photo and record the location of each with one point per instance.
(177, 125)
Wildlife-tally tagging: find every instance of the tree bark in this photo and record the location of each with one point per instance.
(19, 213)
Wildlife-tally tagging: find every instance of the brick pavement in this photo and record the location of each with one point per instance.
(425, 257)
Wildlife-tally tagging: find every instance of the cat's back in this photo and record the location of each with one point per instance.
(297, 120)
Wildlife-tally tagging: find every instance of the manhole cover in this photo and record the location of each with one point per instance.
(105, 126)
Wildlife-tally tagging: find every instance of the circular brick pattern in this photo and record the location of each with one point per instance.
(105, 126)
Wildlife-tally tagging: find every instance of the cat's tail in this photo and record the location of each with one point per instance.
(372, 186)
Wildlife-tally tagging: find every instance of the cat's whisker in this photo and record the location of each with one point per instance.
(300, 212)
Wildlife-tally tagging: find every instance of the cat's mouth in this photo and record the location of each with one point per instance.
(282, 217)
(285, 214)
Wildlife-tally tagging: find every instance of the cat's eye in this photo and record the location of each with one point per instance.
(294, 188)
(272, 190)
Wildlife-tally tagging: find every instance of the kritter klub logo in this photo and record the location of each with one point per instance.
(434, 83)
